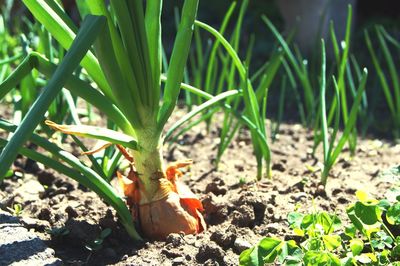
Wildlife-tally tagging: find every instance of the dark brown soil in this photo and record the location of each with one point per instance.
(238, 210)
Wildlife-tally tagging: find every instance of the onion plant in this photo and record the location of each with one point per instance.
(333, 146)
(390, 83)
(125, 66)
(341, 54)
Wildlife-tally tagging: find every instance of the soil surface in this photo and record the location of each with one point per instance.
(238, 210)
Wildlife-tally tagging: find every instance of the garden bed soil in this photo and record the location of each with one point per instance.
(238, 210)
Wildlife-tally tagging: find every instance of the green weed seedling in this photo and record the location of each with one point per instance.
(16, 210)
(318, 245)
(242, 181)
(97, 244)
(375, 220)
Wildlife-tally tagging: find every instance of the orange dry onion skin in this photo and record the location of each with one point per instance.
(174, 209)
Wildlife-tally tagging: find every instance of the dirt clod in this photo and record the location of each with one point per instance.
(216, 211)
(171, 253)
(81, 232)
(278, 167)
(244, 216)
(45, 214)
(46, 178)
(224, 239)
(210, 251)
(36, 224)
(217, 186)
(72, 213)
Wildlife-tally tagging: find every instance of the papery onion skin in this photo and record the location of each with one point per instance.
(173, 209)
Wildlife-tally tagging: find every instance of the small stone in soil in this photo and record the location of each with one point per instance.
(18, 246)
(320, 191)
(174, 239)
(178, 261)
(241, 245)
(211, 262)
(30, 190)
(298, 196)
(277, 217)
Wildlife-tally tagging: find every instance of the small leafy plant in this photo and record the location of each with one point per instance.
(318, 241)
(16, 210)
(372, 238)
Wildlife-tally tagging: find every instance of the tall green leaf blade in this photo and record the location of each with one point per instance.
(381, 75)
(93, 132)
(178, 60)
(324, 124)
(211, 102)
(300, 70)
(153, 31)
(213, 55)
(231, 51)
(392, 68)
